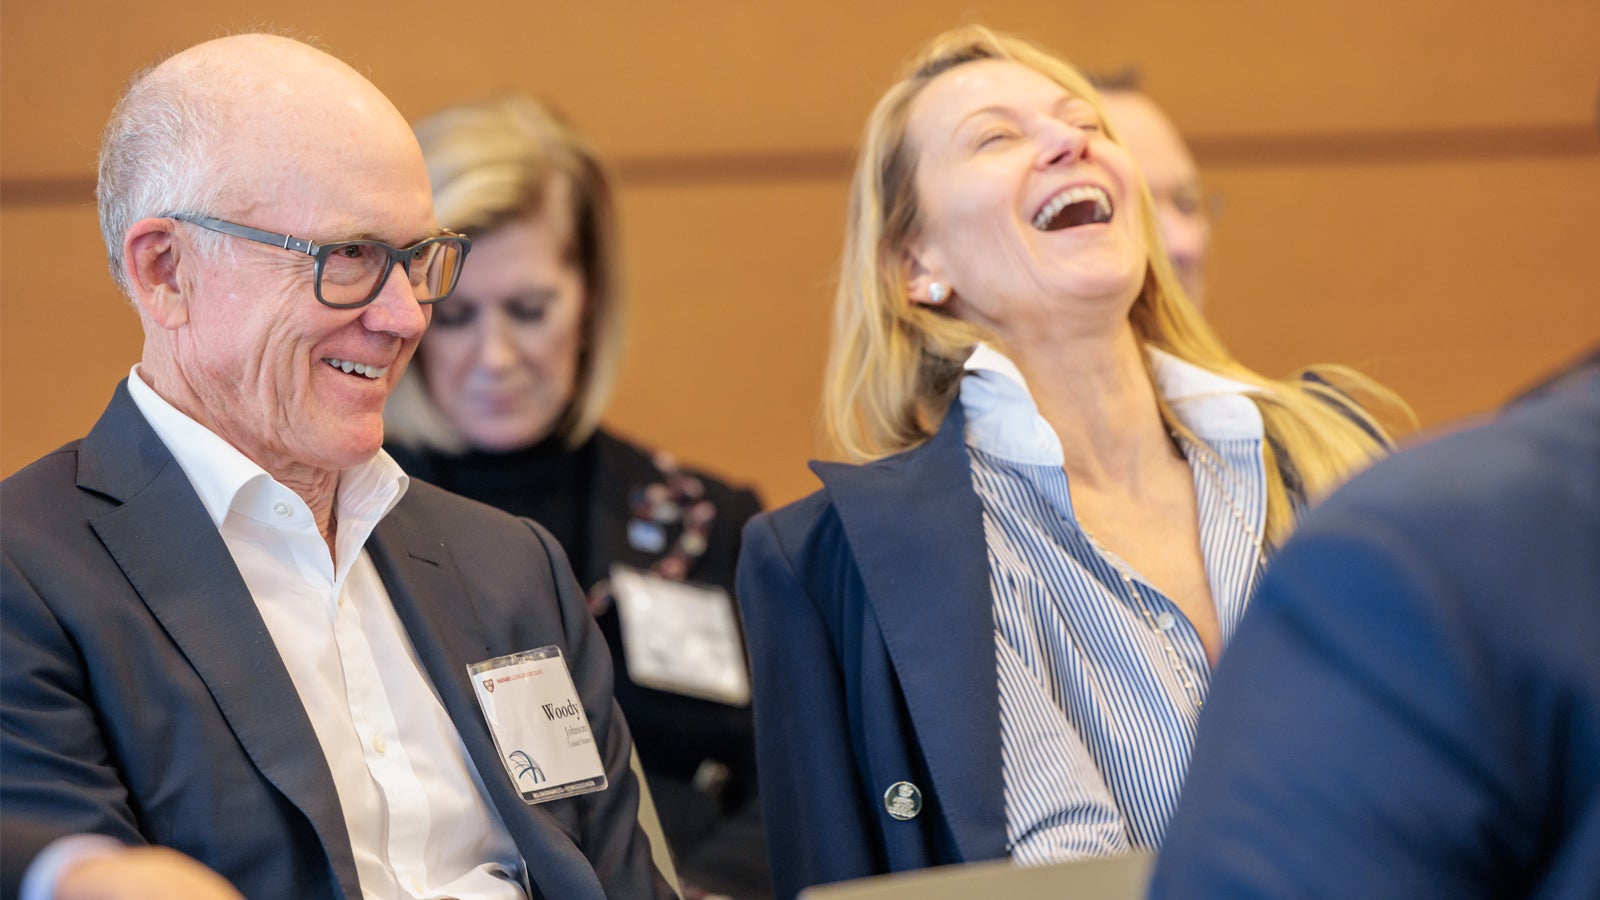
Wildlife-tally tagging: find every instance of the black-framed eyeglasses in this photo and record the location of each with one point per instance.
(351, 273)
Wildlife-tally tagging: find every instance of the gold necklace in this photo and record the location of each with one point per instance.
(1163, 624)
(1192, 449)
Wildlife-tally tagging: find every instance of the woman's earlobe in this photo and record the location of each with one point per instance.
(921, 285)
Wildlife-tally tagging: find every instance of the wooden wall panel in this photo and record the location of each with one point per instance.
(1454, 283)
(731, 304)
(66, 335)
(698, 76)
(1409, 186)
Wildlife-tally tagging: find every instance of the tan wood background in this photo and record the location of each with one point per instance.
(1410, 187)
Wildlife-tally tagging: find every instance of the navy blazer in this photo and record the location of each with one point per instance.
(1411, 708)
(871, 635)
(141, 695)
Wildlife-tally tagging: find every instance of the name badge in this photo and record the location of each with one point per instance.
(539, 726)
(680, 637)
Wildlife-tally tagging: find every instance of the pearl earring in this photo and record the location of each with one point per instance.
(937, 292)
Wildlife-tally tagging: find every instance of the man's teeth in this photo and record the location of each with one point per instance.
(357, 368)
(1080, 194)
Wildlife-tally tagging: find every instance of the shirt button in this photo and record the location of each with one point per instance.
(281, 508)
(1165, 621)
(379, 744)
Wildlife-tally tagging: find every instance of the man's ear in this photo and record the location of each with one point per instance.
(151, 252)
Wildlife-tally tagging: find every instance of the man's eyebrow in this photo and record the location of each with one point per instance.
(438, 231)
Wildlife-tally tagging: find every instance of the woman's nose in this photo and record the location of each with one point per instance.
(1060, 143)
(495, 349)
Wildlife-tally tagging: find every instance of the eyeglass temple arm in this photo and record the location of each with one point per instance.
(260, 236)
(286, 241)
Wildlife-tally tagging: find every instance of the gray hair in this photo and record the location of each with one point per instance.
(155, 159)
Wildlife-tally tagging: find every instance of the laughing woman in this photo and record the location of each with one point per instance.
(992, 632)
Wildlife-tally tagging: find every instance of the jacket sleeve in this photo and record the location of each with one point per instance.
(1351, 746)
(812, 801)
(58, 769)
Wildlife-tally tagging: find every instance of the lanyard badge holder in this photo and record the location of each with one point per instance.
(539, 727)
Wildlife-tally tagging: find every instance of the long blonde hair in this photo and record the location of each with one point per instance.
(497, 161)
(894, 366)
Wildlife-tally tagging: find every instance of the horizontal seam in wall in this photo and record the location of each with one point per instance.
(1533, 142)
(1213, 151)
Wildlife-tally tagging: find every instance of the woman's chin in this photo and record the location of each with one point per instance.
(501, 438)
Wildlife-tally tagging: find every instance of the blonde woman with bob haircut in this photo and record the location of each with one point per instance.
(510, 161)
(503, 404)
(991, 632)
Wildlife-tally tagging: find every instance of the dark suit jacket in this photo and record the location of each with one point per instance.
(1412, 706)
(675, 733)
(143, 696)
(871, 633)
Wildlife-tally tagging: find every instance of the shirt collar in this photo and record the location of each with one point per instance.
(1003, 420)
(226, 479)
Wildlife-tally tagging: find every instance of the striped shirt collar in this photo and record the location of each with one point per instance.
(1003, 420)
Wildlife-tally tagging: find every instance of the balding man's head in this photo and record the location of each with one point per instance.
(284, 155)
(191, 132)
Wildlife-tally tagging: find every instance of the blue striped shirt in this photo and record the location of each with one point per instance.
(1096, 721)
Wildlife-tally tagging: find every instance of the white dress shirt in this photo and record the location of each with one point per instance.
(419, 821)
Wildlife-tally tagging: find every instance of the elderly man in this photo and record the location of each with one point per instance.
(232, 627)
(1170, 171)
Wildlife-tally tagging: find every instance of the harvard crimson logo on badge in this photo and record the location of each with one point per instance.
(538, 725)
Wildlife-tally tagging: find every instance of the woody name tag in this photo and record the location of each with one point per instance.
(538, 725)
(680, 637)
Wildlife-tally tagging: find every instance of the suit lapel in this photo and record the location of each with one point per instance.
(431, 599)
(176, 560)
(915, 526)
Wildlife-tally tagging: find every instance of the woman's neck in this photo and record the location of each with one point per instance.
(1096, 393)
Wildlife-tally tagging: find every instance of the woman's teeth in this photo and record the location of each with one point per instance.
(1084, 204)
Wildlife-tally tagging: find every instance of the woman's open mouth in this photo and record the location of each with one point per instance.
(1085, 204)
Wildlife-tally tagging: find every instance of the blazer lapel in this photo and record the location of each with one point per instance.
(431, 599)
(915, 525)
(176, 560)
